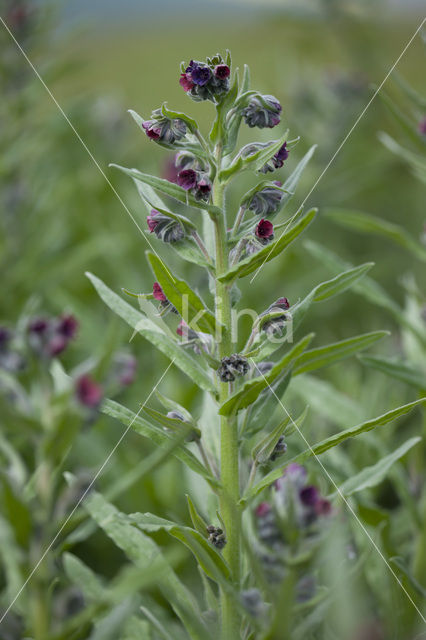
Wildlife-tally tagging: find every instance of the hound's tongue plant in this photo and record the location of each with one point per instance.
(256, 449)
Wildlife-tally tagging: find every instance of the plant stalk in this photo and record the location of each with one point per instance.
(229, 467)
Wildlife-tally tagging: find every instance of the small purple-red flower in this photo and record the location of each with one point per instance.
(265, 230)
(89, 393)
(67, 326)
(187, 179)
(158, 293)
(186, 82)
(222, 71)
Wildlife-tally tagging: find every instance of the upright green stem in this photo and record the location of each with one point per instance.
(229, 469)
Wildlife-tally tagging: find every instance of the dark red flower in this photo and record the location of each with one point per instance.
(88, 392)
(309, 496)
(222, 71)
(282, 302)
(323, 507)
(187, 179)
(265, 230)
(158, 293)
(152, 130)
(68, 326)
(38, 326)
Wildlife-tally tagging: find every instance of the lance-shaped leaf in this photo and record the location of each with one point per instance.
(367, 223)
(207, 556)
(372, 476)
(199, 524)
(169, 189)
(323, 446)
(252, 388)
(331, 353)
(397, 369)
(157, 435)
(340, 283)
(149, 330)
(271, 251)
(143, 552)
(292, 181)
(186, 301)
(172, 423)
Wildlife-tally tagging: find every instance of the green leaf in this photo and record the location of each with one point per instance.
(250, 391)
(136, 629)
(153, 334)
(292, 181)
(186, 301)
(263, 449)
(152, 201)
(254, 161)
(397, 369)
(189, 251)
(143, 552)
(407, 125)
(171, 405)
(83, 577)
(250, 264)
(372, 476)
(172, 115)
(340, 283)
(208, 558)
(367, 223)
(336, 439)
(199, 524)
(169, 189)
(172, 423)
(331, 353)
(329, 443)
(156, 435)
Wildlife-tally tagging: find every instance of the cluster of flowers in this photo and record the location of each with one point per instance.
(277, 160)
(295, 505)
(206, 80)
(48, 337)
(231, 366)
(163, 129)
(165, 228)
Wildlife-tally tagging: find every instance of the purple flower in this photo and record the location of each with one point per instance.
(152, 130)
(265, 231)
(206, 80)
(266, 201)
(309, 496)
(88, 392)
(422, 127)
(67, 326)
(187, 179)
(277, 161)
(5, 336)
(184, 331)
(56, 345)
(39, 326)
(262, 111)
(203, 189)
(199, 72)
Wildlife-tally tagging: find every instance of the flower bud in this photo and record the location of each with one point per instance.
(176, 415)
(262, 111)
(197, 182)
(165, 228)
(232, 366)
(186, 332)
(266, 201)
(275, 326)
(67, 326)
(216, 536)
(163, 129)
(38, 326)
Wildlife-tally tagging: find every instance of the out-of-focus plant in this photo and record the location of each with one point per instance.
(259, 579)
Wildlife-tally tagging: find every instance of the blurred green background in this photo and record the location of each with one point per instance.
(60, 218)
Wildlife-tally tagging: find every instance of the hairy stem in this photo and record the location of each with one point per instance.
(229, 470)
